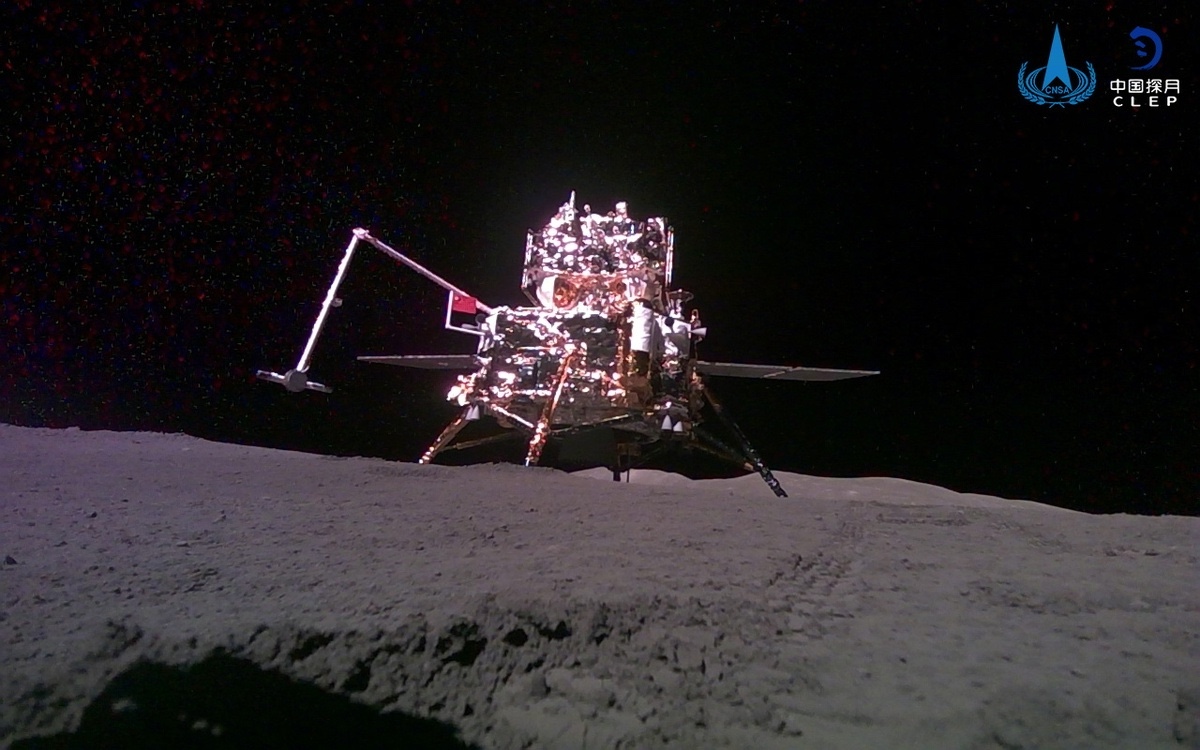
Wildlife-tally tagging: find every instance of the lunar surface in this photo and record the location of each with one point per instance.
(165, 591)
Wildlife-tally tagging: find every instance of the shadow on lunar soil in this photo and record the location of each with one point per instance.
(227, 702)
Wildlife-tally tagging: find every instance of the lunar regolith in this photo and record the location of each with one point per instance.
(161, 590)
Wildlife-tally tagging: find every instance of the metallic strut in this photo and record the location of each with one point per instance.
(447, 435)
(330, 301)
(509, 415)
(607, 422)
(363, 234)
(711, 445)
(751, 454)
(542, 431)
(296, 379)
(489, 440)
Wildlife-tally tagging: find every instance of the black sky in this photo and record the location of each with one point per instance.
(850, 187)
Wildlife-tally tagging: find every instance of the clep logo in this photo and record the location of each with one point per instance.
(1137, 35)
(1136, 93)
(1056, 83)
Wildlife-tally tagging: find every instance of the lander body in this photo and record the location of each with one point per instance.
(604, 357)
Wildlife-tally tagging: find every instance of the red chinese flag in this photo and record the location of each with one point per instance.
(461, 303)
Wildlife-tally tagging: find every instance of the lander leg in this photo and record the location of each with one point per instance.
(447, 435)
(711, 445)
(491, 439)
(751, 454)
(626, 451)
(542, 430)
(444, 440)
(629, 454)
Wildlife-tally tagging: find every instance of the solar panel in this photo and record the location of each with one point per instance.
(427, 361)
(778, 372)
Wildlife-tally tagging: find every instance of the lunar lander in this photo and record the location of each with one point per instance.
(606, 351)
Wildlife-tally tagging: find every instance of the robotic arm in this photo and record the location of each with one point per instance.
(296, 379)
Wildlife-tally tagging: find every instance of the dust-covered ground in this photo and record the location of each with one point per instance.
(161, 590)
